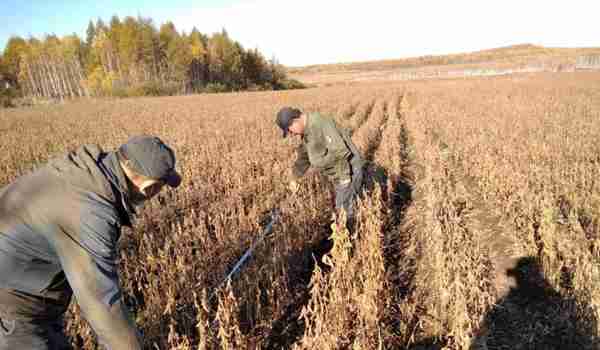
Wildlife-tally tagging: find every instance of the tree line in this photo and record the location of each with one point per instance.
(132, 57)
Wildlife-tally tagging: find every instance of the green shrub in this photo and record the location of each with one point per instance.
(7, 96)
(153, 88)
(119, 92)
(289, 84)
(216, 88)
(156, 88)
(254, 87)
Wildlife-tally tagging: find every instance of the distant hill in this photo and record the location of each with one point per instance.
(525, 57)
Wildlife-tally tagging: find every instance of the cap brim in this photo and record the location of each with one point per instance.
(173, 179)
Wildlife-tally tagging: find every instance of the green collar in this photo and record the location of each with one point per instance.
(309, 124)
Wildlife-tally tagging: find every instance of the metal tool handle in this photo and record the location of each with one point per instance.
(275, 213)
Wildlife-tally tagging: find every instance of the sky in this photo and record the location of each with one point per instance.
(330, 31)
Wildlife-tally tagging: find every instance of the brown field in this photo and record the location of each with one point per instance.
(524, 58)
(481, 228)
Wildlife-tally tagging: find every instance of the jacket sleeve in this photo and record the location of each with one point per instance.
(302, 162)
(335, 152)
(88, 258)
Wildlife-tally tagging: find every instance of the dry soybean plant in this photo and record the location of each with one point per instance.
(478, 230)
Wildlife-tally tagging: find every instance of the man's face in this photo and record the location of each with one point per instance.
(141, 188)
(297, 127)
(153, 188)
(144, 190)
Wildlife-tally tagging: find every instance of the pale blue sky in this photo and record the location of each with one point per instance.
(326, 31)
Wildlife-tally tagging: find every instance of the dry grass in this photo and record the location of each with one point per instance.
(473, 177)
(516, 58)
(515, 53)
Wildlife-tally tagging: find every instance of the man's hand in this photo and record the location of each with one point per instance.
(293, 187)
(345, 182)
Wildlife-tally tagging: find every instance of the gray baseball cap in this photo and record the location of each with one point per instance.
(285, 118)
(149, 156)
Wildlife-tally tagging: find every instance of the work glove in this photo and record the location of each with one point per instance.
(293, 187)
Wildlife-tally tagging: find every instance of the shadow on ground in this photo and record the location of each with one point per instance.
(535, 316)
(427, 344)
(289, 328)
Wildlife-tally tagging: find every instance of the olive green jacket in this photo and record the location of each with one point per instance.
(328, 148)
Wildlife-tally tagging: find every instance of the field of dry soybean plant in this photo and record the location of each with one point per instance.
(480, 228)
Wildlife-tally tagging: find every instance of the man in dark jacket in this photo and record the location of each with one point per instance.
(329, 149)
(59, 228)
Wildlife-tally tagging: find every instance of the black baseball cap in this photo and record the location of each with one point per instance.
(149, 156)
(285, 118)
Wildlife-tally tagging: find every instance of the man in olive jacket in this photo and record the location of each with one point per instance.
(330, 150)
(59, 229)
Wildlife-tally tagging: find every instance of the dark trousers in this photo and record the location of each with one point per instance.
(20, 334)
(345, 195)
(33, 321)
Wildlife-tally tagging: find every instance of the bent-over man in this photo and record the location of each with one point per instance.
(59, 229)
(330, 150)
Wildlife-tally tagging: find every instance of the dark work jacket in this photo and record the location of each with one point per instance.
(63, 221)
(327, 148)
